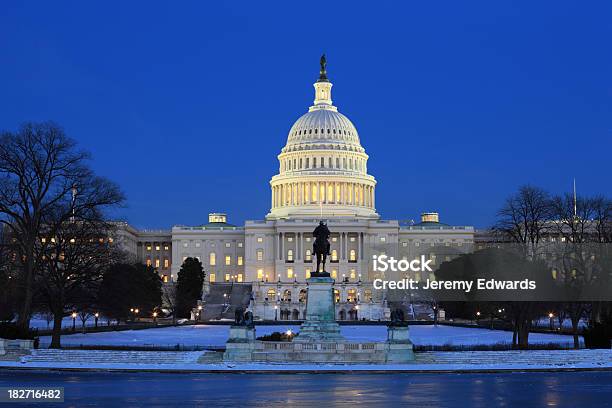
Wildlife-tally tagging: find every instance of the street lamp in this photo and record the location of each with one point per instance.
(199, 312)
(552, 322)
(155, 317)
(96, 316)
(74, 316)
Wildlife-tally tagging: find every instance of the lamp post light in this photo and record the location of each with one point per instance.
(96, 316)
(74, 316)
(552, 321)
(136, 311)
(199, 313)
(155, 317)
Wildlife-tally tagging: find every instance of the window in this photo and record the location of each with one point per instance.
(351, 296)
(334, 239)
(240, 261)
(197, 244)
(148, 247)
(307, 273)
(239, 277)
(228, 260)
(260, 254)
(227, 277)
(352, 239)
(352, 255)
(240, 245)
(212, 259)
(417, 243)
(271, 294)
(157, 263)
(166, 248)
(404, 244)
(148, 261)
(334, 274)
(227, 244)
(308, 255)
(337, 295)
(383, 239)
(260, 274)
(334, 255)
(290, 239)
(165, 279)
(289, 273)
(157, 248)
(212, 278)
(368, 295)
(352, 274)
(166, 263)
(259, 239)
(185, 245)
(290, 255)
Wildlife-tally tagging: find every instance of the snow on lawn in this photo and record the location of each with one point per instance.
(213, 335)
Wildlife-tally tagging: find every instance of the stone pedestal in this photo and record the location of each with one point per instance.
(399, 346)
(241, 344)
(320, 323)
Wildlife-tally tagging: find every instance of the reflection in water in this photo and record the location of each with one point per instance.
(325, 390)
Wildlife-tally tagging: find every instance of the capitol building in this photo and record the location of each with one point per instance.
(264, 264)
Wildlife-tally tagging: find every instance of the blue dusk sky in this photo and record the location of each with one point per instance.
(187, 104)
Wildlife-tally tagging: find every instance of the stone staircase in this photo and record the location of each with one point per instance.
(217, 306)
(111, 356)
(523, 358)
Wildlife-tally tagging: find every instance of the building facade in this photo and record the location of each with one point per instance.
(322, 175)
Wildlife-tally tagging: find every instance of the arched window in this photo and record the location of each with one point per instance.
(212, 259)
(351, 296)
(286, 296)
(303, 294)
(367, 294)
(336, 295)
(334, 255)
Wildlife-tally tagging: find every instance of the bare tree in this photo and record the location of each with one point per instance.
(169, 299)
(525, 220)
(41, 170)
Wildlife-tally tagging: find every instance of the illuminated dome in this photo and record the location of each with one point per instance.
(323, 168)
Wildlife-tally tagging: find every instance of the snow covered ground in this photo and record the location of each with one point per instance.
(213, 335)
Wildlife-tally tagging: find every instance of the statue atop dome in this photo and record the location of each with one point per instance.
(323, 72)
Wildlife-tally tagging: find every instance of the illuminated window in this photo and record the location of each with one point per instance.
(185, 244)
(334, 274)
(290, 239)
(259, 239)
(290, 255)
(352, 239)
(260, 254)
(289, 273)
(334, 255)
(157, 247)
(166, 247)
(308, 255)
(417, 243)
(352, 274)
(554, 274)
(260, 274)
(337, 295)
(165, 279)
(352, 255)
(334, 239)
(157, 263)
(239, 277)
(383, 239)
(404, 244)
(367, 295)
(227, 244)
(240, 245)
(166, 263)
(271, 294)
(212, 278)
(227, 277)
(148, 261)
(240, 260)
(351, 296)
(212, 259)
(148, 247)
(228, 260)
(307, 273)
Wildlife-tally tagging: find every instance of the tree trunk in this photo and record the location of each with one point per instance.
(57, 330)
(575, 321)
(26, 310)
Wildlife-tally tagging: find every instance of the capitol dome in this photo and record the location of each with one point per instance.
(323, 167)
